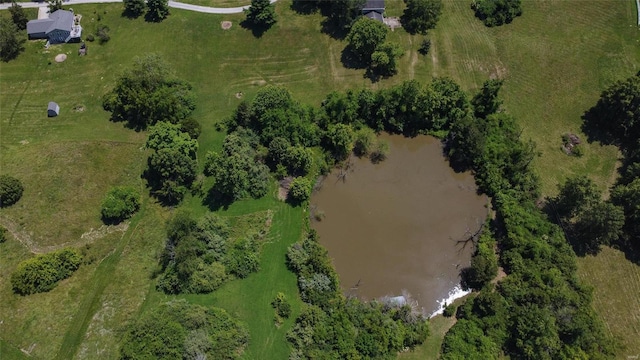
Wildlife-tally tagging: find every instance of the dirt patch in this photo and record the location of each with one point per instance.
(78, 108)
(392, 22)
(283, 188)
(61, 57)
(226, 25)
(239, 95)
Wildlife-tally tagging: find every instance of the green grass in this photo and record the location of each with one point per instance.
(555, 60)
(616, 283)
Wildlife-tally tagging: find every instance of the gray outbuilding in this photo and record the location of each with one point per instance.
(53, 109)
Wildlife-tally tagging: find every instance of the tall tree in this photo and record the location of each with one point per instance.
(497, 12)
(421, 15)
(18, 16)
(158, 10)
(10, 40)
(384, 59)
(149, 93)
(261, 14)
(365, 36)
(134, 8)
(486, 101)
(616, 116)
(54, 5)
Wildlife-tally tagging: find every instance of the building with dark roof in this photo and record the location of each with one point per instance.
(58, 28)
(374, 9)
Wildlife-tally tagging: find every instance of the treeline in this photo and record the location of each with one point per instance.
(615, 119)
(200, 254)
(540, 310)
(179, 330)
(334, 327)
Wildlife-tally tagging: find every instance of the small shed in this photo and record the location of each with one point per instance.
(53, 109)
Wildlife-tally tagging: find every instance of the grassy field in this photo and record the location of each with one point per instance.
(555, 61)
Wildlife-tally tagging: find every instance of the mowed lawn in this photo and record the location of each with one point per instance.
(555, 61)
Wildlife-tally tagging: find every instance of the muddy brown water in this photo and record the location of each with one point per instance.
(392, 228)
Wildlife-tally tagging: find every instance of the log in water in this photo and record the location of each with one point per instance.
(394, 227)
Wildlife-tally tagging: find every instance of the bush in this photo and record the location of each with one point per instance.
(449, 310)
(300, 190)
(10, 190)
(281, 305)
(42, 273)
(103, 33)
(3, 234)
(90, 38)
(120, 203)
(425, 46)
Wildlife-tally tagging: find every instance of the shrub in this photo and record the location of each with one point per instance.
(3, 234)
(120, 203)
(425, 46)
(103, 33)
(10, 190)
(90, 38)
(300, 190)
(42, 273)
(281, 305)
(449, 310)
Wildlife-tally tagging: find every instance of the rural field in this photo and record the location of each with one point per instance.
(555, 60)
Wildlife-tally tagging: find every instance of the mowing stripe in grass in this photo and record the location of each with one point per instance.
(91, 302)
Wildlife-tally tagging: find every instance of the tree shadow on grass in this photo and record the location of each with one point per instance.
(305, 7)
(352, 60)
(594, 125)
(256, 30)
(215, 200)
(333, 28)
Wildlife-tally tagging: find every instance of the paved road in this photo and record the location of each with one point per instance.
(173, 4)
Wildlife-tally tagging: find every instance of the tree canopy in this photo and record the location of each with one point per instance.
(261, 14)
(10, 190)
(497, 12)
(157, 10)
(18, 16)
(148, 93)
(11, 41)
(134, 8)
(119, 204)
(365, 36)
(421, 15)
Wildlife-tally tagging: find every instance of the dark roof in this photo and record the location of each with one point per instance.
(373, 5)
(58, 20)
(374, 15)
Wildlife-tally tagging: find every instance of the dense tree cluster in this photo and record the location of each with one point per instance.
(332, 327)
(149, 93)
(484, 262)
(237, 171)
(421, 15)
(615, 119)
(11, 190)
(43, 272)
(200, 255)
(172, 167)
(179, 330)
(120, 203)
(540, 310)
(497, 12)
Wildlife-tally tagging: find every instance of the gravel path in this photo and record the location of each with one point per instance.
(173, 4)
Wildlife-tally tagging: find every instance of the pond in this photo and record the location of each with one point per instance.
(393, 228)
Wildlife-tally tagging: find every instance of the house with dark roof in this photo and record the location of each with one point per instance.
(58, 28)
(374, 9)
